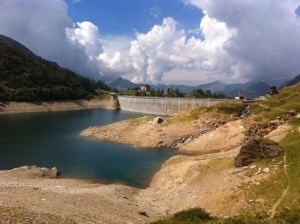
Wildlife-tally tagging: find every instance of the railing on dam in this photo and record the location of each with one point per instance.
(163, 105)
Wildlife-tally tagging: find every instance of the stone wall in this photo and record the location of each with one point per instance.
(162, 105)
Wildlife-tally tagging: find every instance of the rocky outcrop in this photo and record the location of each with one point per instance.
(260, 129)
(36, 172)
(256, 149)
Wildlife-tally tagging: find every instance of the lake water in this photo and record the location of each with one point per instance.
(52, 139)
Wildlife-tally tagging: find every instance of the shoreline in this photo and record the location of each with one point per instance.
(32, 107)
(205, 177)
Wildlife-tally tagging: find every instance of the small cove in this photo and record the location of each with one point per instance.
(52, 139)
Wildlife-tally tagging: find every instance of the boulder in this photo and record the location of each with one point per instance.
(157, 120)
(256, 149)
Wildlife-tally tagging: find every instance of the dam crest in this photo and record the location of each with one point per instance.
(162, 105)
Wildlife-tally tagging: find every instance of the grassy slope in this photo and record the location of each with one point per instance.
(283, 106)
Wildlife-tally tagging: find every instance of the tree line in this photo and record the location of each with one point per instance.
(171, 92)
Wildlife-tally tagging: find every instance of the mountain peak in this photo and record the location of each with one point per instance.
(119, 79)
(121, 84)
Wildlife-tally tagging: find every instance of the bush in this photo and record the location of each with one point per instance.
(190, 216)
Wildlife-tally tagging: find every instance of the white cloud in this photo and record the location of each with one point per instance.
(87, 35)
(155, 11)
(165, 48)
(266, 44)
(240, 41)
(41, 26)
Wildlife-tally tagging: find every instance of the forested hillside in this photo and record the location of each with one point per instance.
(27, 77)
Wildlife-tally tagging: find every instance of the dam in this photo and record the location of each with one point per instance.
(163, 105)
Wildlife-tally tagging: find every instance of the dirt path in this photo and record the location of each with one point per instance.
(274, 207)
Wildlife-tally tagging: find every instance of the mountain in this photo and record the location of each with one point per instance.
(122, 84)
(291, 82)
(250, 89)
(25, 76)
(276, 82)
(12, 42)
(216, 86)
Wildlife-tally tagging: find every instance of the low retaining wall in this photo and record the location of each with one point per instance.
(163, 105)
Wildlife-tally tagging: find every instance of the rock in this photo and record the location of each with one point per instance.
(157, 120)
(258, 171)
(257, 149)
(245, 112)
(123, 196)
(36, 172)
(143, 213)
(260, 200)
(266, 170)
(260, 129)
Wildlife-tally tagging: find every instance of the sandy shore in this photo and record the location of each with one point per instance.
(59, 200)
(24, 107)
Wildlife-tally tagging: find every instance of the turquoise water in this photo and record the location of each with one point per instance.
(52, 139)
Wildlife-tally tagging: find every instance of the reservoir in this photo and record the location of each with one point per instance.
(52, 139)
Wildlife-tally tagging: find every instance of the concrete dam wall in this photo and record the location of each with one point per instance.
(163, 105)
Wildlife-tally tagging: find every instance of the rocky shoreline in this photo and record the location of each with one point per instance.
(26, 107)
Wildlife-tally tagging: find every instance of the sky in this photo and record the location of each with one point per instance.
(161, 41)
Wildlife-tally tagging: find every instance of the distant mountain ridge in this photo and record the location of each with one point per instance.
(250, 89)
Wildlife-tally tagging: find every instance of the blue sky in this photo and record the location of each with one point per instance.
(161, 41)
(121, 17)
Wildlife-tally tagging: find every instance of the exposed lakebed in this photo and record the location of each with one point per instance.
(52, 139)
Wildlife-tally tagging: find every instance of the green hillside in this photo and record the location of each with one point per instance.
(282, 106)
(27, 77)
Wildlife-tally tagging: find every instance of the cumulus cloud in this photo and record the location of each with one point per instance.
(266, 43)
(165, 48)
(240, 41)
(235, 41)
(41, 26)
(87, 35)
